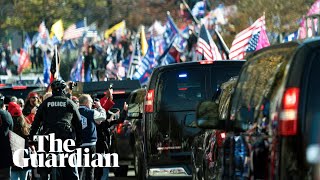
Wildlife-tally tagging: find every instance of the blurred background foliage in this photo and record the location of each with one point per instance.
(26, 15)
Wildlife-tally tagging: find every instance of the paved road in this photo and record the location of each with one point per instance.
(131, 175)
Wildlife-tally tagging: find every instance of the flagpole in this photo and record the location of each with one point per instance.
(188, 8)
(223, 43)
(129, 75)
(56, 59)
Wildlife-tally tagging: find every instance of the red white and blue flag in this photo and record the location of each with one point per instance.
(74, 31)
(242, 40)
(206, 46)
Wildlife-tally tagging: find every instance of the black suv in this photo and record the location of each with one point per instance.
(274, 114)
(173, 93)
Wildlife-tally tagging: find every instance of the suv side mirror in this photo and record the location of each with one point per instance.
(207, 116)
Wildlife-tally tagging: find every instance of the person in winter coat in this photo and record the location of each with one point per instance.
(6, 124)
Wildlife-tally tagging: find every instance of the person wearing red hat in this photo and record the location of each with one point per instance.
(20, 127)
(30, 107)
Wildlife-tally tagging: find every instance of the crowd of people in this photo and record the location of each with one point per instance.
(82, 119)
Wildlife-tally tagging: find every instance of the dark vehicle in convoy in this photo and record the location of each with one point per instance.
(124, 134)
(208, 150)
(273, 122)
(168, 131)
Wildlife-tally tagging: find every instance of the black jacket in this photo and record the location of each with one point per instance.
(58, 115)
(6, 124)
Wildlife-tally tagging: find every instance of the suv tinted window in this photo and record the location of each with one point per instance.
(255, 81)
(313, 102)
(181, 90)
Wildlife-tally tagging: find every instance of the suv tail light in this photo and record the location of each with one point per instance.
(149, 101)
(288, 120)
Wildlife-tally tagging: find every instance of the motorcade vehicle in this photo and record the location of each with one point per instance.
(126, 133)
(173, 92)
(208, 149)
(272, 127)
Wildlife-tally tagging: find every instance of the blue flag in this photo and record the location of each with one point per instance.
(27, 43)
(46, 69)
(145, 67)
(171, 30)
(75, 74)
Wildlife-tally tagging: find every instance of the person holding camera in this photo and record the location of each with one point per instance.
(89, 117)
(59, 115)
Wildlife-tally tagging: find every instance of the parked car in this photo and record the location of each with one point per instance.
(273, 114)
(164, 150)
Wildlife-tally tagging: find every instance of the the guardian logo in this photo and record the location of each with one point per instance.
(60, 153)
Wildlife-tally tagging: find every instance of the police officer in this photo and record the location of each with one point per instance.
(6, 124)
(59, 115)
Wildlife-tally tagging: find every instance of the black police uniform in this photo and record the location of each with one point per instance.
(61, 116)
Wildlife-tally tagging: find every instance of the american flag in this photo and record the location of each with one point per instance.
(74, 31)
(253, 42)
(43, 31)
(206, 45)
(241, 42)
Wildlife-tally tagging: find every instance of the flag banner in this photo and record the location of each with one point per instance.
(43, 38)
(46, 68)
(199, 9)
(24, 61)
(135, 58)
(144, 43)
(291, 37)
(55, 65)
(74, 31)
(57, 30)
(263, 40)
(144, 69)
(206, 45)
(171, 30)
(120, 26)
(27, 43)
(91, 31)
(181, 41)
(166, 57)
(241, 41)
(75, 74)
(303, 31)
